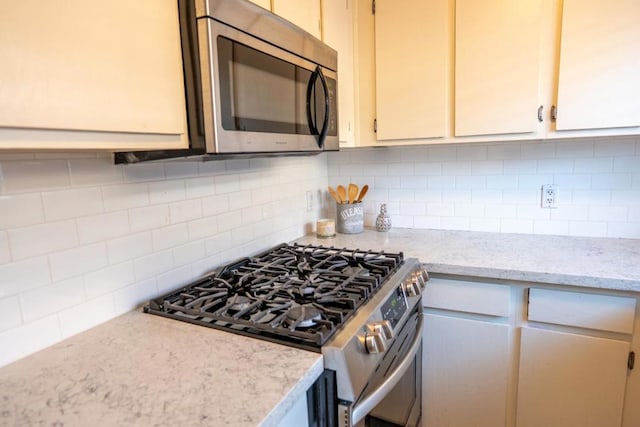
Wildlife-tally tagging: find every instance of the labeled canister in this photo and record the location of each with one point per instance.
(349, 218)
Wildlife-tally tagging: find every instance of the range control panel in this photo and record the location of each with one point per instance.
(394, 307)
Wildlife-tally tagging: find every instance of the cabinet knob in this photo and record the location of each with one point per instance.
(540, 113)
(554, 113)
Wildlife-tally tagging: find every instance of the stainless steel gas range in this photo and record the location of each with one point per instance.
(360, 309)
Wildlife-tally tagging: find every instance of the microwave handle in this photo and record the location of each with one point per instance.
(370, 401)
(322, 134)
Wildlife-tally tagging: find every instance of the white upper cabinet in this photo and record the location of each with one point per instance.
(85, 74)
(304, 13)
(337, 32)
(411, 46)
(496, 66)
(599, 69)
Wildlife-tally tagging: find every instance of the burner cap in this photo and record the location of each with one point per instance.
(303, 316)
(238, 303)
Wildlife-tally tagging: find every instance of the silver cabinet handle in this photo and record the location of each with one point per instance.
(540, 113)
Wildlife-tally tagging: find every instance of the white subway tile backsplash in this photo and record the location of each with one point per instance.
(388, 182)
(227, 184)
(608, 213)
(516, 226)
(72, 203)
(174, 170)
(170, 237)
(20, 276)
(20, 210)
(441, 154)
(212, 168)
(560, 228)
(103, 227)
(439, 209)
(614, 148)
(520, 167)
(28, 338)
(413, 208)
(95, 171)
(129, 247)
(627, 230)
(572, 182)
(625, 197)
(491, 225)
(575, 149)
(153, 265)
(472, 152)
(47, 300)
(441, 182)
(5, 253)
(588, 228)
(502, 182)
(144, 172)
(504, 152)
(538, 150)
(488, 167)
(125, 196)
(468, 182)
(10, 313)
(83, 259)
(25, 176)
(202, 227)
(42, 239)
(188, 253)
(86, 315)
(129, 297)
(597, 165)
(591, 197)
(186, 210)
(109, 279)
(161, 192)
(214, 205)
(200, 187)
(570, 212)
(456, 168)
(617, 181)
(149, 217)
(456, 196)
(555, 166)
(403, 169)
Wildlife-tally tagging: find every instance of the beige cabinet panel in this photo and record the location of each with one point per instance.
(92, 66)
(304, 13)
(465, 372)
(411, 47)
(264, 3)
(570, 380)
(496, 66)
(337, 32)
(599, 70)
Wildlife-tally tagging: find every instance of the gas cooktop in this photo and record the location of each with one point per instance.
(299, 295)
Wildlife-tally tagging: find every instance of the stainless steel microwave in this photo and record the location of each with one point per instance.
(255, 84)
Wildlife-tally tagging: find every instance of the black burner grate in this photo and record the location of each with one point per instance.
(295, 294)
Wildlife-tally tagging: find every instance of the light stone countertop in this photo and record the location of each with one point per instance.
(142, 369)
(577, 261)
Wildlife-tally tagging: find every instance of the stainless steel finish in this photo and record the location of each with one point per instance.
(384, 327)
(347, 352)
(375, 342)
(411, 288)
(540, 113)
(252, 19)
(367, 403)
(243, 141)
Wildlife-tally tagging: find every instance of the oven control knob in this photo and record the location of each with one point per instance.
(375, 342)
(382, 326)
(411, 287)
(423, 277)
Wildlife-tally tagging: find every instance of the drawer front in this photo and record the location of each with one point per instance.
(584, 310)
(468, 297)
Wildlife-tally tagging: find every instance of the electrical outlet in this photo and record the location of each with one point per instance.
(549, 196)
(309, 199)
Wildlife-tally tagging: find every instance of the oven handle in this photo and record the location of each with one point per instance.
(369, 402)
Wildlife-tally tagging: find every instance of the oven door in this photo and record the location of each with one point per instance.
(394, 395)
(260, 98)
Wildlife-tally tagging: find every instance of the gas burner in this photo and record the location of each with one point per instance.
(238, 303)
(303, 316)
(297, 294)
(355, 270)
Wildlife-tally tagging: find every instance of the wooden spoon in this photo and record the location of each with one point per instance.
(353, 193)
(342, 193)
(335, 195)
(363, 191)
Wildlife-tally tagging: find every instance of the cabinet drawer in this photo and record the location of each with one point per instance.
(469, 297)
(592, 311)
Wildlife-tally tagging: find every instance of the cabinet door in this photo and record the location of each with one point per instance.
(304, 13)
(496, 66)
(465, 372)
(570, 380)
(411, 47)
(599, 74)
(264, 3)
(337, 32)
(92, 66)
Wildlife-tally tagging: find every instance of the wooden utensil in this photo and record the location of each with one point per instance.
(353, 193)
(363, 192)
(335, 195)
(342, 193)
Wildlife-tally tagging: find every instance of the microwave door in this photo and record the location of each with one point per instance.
(317, 104)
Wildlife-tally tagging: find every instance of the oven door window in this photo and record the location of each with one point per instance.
(262, 93)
